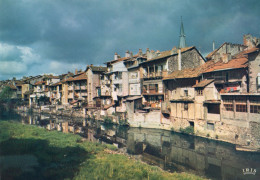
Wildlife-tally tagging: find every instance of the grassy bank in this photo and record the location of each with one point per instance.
(66, 156)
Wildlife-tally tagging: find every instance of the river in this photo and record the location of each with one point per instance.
(170, 151)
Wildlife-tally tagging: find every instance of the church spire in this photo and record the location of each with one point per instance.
(182, 43)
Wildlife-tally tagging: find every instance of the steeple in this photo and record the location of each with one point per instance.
(182, 43)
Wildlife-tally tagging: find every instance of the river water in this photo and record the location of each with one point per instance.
(170, 151)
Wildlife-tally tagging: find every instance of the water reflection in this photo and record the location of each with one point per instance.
(170, 151)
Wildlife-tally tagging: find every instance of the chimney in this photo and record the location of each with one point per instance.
(249, 41)
(76, 71)
(127, 54)
(179, 59)
(140, 53)
(213, 45)
(131, 55)
(147, 51)
(116, 56)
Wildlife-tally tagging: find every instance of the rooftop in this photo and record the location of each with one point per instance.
(78, 77)
(168, 53)
(203, 83)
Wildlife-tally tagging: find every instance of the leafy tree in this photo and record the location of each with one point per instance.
(6, 94)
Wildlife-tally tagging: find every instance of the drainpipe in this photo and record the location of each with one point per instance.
(179, 60)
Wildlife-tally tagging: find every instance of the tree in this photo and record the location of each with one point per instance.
(6, 94)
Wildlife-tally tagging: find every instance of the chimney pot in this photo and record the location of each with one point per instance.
(127, 54)
(116, 56)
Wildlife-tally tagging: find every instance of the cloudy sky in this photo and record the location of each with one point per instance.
(57, 36)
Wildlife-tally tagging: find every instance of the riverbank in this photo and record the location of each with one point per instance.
(55, 155)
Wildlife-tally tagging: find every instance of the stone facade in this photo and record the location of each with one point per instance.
(189, 59)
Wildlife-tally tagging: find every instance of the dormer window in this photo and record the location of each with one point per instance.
(199, 91)
(186, 93)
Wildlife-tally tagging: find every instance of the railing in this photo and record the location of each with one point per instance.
(83, 87)
(77, 87)
(70, 88)
(153, 74)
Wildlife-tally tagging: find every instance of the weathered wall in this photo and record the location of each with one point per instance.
(254, 70)
(189, 59)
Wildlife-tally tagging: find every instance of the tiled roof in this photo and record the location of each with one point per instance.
(232, 64)
(78, 77)
(56, 84)
(39, 82)
(121, 59)
(165, 54)
(251, 50)
(51, 76)
(203, 83)
(191, 72)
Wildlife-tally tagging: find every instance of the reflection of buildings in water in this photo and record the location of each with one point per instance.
(183, 153)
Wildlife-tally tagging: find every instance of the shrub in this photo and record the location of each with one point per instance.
(188, 130)
(108, 120)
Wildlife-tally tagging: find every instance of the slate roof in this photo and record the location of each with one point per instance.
(168, 53)
(97, 68)
(121, 59)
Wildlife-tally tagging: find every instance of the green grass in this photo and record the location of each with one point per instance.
(65, 156)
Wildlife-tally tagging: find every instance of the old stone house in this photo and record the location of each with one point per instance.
(94, 74)
(159, 65)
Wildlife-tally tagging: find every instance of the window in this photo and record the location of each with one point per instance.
(186, 107)
(186, 93)
(145, 89)
(254, 104)
(255, 109)
(228, 104)
(241, 108)
(241, 104)
(229, 107)
(120, 88)
(213, 108)
(199, 92)
(119, 75)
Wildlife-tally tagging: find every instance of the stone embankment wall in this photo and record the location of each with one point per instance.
(243, 133)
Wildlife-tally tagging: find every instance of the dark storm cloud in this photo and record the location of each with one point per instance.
(84, 32)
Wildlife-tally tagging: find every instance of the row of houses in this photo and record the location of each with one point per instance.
(217, 96)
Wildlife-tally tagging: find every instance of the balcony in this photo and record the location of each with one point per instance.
(77, 87)
(83, 87)
(153, 75)
(70, 88)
